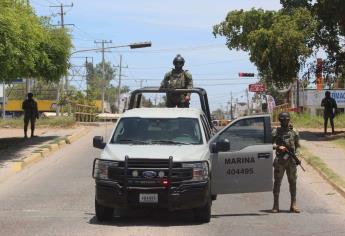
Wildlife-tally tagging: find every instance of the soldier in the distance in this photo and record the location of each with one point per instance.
(330, 110)
(285, 139)
(177, 78)
(30, 114)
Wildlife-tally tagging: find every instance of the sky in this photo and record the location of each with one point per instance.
(173, 27)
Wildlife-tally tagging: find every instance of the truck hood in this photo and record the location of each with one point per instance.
(180, 153)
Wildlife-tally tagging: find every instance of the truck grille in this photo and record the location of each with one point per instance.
(178, 173)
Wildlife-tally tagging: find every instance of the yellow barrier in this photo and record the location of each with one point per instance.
(43, 105)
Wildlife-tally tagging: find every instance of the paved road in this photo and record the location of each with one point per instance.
(56, 197)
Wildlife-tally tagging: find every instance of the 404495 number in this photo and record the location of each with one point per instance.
(242, 171)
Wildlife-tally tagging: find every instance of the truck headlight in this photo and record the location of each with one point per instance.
(200, 170)
(101, 167)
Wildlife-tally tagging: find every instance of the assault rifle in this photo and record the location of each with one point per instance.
(295, 158)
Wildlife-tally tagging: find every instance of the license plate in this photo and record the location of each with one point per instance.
(148, 198)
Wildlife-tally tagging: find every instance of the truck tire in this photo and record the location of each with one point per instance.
(103, 213)
(214, 197)
(203, 214)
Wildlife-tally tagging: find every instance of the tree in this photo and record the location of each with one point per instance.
(290, 5)
(95, 83)
(278, 43)
(94, 77)
(29, 47)
(330, 32)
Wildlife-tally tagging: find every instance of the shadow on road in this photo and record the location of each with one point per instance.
(159, 218)
(233, 215)
(319, 136)
(11, 147)
(149, 217)
(270, 211)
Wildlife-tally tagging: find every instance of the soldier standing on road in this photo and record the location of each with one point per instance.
(177, 78)
(285, 138)
(30, 114)
(330, 110)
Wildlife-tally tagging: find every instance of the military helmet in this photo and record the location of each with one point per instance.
(284, 116)
(178, 58)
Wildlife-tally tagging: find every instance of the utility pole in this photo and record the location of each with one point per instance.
(141, 82)
(119, 88)
(297, 95)
(231, 112)
(248, 108)
(103, 42)
(62, 24)
(3, 99)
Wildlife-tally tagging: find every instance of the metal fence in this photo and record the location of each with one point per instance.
(85, 113)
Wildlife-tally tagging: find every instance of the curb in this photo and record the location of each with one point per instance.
(329, 180)
(44, 151)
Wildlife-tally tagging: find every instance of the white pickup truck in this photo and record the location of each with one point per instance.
(171, 158)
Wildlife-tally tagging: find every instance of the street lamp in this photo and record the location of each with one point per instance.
(132, 46)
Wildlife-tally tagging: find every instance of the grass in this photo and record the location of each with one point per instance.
(304, 120)
(62, 122)
(340, 142)
(318, 164)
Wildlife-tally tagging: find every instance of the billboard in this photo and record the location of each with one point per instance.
(257, 88)
(312, 98)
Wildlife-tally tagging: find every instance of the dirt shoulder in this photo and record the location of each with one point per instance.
(324, 154)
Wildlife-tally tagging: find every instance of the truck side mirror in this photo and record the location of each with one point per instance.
(98, 142)
(222, 145)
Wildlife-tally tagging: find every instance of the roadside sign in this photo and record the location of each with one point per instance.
(257, 88)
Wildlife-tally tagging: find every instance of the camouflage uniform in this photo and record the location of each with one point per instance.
(288, 137)
(30, 114)
(177, 80)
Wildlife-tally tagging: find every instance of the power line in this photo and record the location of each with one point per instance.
(62, 13)
(206, 79)
(191, 65)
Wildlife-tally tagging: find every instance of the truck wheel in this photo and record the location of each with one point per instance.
(103, 213)
(214, 197)
(203, 214)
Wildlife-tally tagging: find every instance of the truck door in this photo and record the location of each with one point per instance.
(247, 165)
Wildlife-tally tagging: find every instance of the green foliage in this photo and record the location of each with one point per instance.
(290, 5)
(278, 43)
(330, 32)
(63, 122)
(28, 46)
(305, 120)
(95, 81)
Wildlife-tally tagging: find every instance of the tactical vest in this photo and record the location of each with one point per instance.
(286, 138)
(177, 80)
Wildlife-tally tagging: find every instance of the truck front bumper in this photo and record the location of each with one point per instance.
(185, 196)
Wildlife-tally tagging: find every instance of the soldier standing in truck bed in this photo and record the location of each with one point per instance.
(177, 78)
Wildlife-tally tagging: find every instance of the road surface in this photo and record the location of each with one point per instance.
(56, 197)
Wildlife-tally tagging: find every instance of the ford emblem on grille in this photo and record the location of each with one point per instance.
(149, 174)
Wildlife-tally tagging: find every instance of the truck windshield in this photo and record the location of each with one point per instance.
(167, 131)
